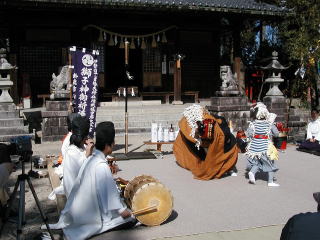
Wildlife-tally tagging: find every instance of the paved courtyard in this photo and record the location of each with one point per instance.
(228, 208)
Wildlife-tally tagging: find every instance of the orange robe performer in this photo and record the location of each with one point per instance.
(210, 160)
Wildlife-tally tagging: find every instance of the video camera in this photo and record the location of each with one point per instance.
(22, 145)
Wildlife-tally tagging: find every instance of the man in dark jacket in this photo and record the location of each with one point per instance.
(303, 226)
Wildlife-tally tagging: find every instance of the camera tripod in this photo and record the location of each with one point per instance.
(21, 181)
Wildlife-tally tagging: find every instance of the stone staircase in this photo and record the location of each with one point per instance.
(11, 125)
(141, 116)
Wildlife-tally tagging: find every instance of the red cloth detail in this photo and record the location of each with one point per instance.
(261, 136)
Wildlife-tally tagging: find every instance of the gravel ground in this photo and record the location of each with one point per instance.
(43, 188)
(199, 206)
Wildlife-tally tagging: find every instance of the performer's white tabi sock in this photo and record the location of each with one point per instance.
(252, 179)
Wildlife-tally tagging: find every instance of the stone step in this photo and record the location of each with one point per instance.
(134, 130)
(144, 124)
(130, 103)
(233, 114)
(14, 130)
(277, 105)
(110, 112)
(169, 117)
(52, 138)
(300, 112)
(121, 131)
(227, 108)
(7, 107)
(296, 124)
(294, 118)
(221, 101)
(11, 122)
(285, 117)
(141, 118)
(9, 114)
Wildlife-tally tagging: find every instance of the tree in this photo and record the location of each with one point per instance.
(300, 38)
(297, 39)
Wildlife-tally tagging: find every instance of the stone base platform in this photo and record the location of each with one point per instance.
(54, 123)
(235, 109)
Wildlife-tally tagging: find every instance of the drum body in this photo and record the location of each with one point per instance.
(144, 192)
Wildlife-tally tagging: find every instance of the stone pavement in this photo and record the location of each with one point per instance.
(224, 209)
(261, 233)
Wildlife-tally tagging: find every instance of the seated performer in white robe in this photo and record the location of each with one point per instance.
(94, 205)
(312, 142)
(76, 153)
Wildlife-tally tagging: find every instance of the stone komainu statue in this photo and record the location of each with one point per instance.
(61, 82)
(228, 79)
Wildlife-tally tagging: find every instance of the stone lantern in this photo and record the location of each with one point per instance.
(274, 79)
(5, 82)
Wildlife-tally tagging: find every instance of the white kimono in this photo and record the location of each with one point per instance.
(94, 204)
(74, 159)
(314, 130)
(65, 144)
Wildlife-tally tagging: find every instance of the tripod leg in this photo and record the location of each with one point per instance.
(9, 205)
(44, 218)
(21, 208)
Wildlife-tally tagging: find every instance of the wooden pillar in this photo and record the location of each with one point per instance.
(177, 82)
(238, 68)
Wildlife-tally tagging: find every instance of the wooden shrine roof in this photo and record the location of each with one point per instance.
(234, 6)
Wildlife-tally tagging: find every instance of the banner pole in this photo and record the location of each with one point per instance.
(126, 59)
(70, 110)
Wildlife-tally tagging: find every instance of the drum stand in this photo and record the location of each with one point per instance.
(21, 181)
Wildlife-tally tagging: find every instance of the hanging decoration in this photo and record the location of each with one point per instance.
(100, 39)
(121, 43)
(159, 36)
(143, 44)
(138, 42)
(301, 71)
(111, 42)
(154, 43)
(164, 39)
(132, 46)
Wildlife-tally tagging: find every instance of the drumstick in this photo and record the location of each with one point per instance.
(122, 181)
(145, 210)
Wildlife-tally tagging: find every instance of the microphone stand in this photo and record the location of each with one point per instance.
(126, 59)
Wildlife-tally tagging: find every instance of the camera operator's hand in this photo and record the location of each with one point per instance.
(89, 146)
